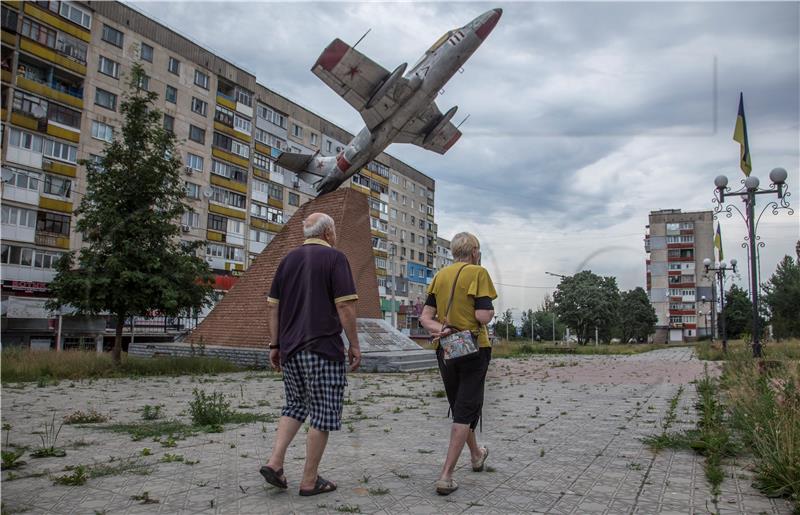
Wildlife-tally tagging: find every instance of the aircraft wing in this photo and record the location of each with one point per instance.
(418, 131)
(356, 78)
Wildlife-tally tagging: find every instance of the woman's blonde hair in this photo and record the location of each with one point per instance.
(463, 244)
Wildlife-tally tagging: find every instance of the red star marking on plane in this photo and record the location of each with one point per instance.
(352, 72)
(319, 164)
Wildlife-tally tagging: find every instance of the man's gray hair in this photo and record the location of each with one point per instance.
(316, 227)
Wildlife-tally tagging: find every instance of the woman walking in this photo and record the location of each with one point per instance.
(460, 299)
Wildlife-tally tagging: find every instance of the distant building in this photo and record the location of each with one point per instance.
(444, 257)
(676, 244)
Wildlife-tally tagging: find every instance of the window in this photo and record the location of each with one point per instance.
(197, 134)
(108, 67)
(58, 186)
(193, 192)
(144, 82)
(105, 99)
(52, 223)
(64, 115)
(228, 171)
(243, 96)
(297, 131)
(60, 151)
(23, 179)
(39, 33)
(214, 250)
(275, 191)
(234, 253)
(242, 124)
(260, 236)
(201, 79)
(235, 227)
(275, 215)
(171, 95)
(169, 123)
(223, 115)
(26, 140)
(194, 161)
(19, 217)
(217, 223)
(260, 161)
(199, 106)
(328, 146)
(393, 195)
(174, 66)
(112, 35)
(294, 199)
(71, 47)
(102, 131)
(314, 138)
(29, 104)
(146, 52)
(228, 197)
(75, 15)
(231, 145)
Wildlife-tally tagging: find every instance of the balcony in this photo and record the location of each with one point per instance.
(52, 240)
(65, 54)
(50, 83)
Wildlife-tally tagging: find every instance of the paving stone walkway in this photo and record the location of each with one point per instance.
(564, 433)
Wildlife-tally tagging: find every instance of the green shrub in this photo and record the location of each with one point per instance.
(209, 410)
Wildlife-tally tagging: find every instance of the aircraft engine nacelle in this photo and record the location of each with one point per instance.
(386, 85)
(440, 124)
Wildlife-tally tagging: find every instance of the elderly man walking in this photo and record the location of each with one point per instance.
(313, 297)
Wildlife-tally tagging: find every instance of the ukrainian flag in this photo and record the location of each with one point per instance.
(718, 242)
(740, 135)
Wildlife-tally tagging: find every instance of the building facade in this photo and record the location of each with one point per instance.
(679, 289)
(64, 71)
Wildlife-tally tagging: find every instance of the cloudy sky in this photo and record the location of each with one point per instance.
(583, 116)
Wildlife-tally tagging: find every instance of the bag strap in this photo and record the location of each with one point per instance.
(452, 293)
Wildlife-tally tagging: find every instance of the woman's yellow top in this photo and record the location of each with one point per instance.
(473, 282)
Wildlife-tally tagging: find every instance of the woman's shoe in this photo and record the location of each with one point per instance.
(477, 465)
(446, 486)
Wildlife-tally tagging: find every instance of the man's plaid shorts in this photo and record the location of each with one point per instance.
(315, 386)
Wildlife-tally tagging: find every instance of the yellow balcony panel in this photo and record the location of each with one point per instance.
(238, 266)
(63, 206)
(3, 114)
(359, 187)
(9, 39)
(215, 236)
(231, 158)
(51, 240)
(380, 271)
(221, 127)
(61, 132)
(47, 91)
(261, 173)
(374, 213)
(23, 120)
(275, 203)
(276, 228)
(224, 102)
(227, 183)
(52, 56)
(59, 168)
(378, 234)
(55, 21)
(6, 74)
(380, 253)
(264, 149)
(259, 224)
(380, 179)
(16, 4)
(227, 211)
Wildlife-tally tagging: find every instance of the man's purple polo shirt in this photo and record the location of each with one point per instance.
(309, 282)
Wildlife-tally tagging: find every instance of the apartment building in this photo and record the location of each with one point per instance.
(444, 257)
(676, 244)
(64, 69)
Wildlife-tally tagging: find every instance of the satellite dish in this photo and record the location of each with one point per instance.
(38, 111)
(208, 192)
(8, 175)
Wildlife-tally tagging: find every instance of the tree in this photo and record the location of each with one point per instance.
(637, 318)
(782, 298)
(504, 326)
(585, 301)
(132, 261)
(738, 312)
(542, 325)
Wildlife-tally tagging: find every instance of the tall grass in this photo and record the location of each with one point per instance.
(763, 398)
(788, 349)
(24, 365)
(506, 349)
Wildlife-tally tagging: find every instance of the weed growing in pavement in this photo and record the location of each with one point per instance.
(151, 412)
(11, 459)
(81, 417)
(77, 477)
(171, 458)
(144, 498)
(49, 439)
(346, 508)
(378, 491)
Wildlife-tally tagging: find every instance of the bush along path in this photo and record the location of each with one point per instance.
(751, 411)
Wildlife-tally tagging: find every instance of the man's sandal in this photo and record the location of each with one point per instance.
(477, 465)
(446, 486)
(273, 476)
(321, 487)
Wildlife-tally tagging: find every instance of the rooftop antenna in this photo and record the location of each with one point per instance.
(362, 37)
(462, 122)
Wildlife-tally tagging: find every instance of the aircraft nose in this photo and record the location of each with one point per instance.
(489, 23)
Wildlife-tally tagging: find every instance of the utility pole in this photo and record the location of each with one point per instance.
(595, 336)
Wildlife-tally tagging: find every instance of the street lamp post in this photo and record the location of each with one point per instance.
(748, 194)
(719, 270)
(705, 303)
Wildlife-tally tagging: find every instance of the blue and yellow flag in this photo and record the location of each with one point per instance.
(718, 242)
(740, 135)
